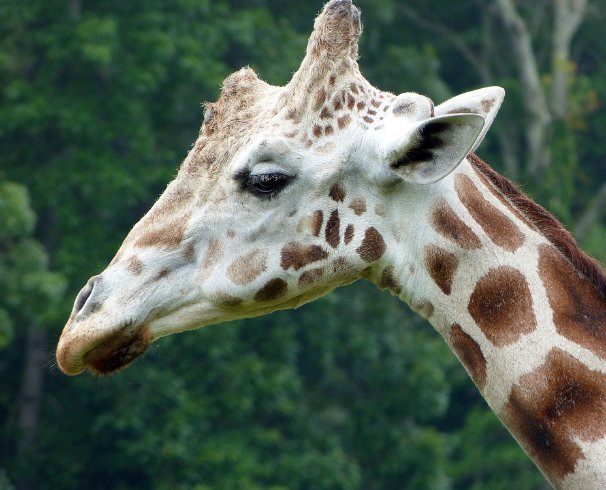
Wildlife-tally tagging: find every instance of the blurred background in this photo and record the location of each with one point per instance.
(99, 103)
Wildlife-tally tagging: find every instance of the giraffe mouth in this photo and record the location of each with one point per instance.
(104, 356)
(118, 351)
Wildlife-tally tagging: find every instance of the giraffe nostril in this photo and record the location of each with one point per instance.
(84, 295)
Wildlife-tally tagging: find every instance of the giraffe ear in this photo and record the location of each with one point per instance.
(435, 147)
(485, 102)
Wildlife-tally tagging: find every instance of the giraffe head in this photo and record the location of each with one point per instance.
(288, 193)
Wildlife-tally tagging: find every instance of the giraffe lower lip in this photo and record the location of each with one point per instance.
(117, 352)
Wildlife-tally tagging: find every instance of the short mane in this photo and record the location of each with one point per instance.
(546, 224)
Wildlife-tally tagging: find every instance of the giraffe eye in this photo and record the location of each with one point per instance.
(267, 186)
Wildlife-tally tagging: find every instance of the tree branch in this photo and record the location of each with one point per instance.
(592, 214)
(456, 40)
(569, 15)
(534, 94)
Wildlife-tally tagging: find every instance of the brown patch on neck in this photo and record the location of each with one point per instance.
(470, 354)
(549, 408)
(446, 222)
(546, 224)
(372, 247)
(501, 305)
(247, 268)
(579, 313)
(296, 255)
(501, 230)
(442, 266)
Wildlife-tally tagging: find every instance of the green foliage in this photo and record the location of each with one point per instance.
(29, 290)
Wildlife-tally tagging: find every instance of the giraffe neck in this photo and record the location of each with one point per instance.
(528, 327)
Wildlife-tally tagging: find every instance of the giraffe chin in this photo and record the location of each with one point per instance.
(118, 351)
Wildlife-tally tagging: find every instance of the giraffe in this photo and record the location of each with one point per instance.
(290, 192)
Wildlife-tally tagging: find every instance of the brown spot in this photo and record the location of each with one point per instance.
(337, 193)
(370, 112)
(487, 104)
(189, 253)
(325, 114)
(351, 102)
(501, 230)
(349, 234)
(332, 80)
(358, 206)
(213, 253)
(329, 130)
(424, 308)
(173, 200)
(354, 89)
(498, 193)
(380, 210)
(311, 224)
(274, 289)
(94, 308)
(344, 270)
(168, 237)
(501, 305)
(579, 314)
(461, 110)
(135, 265)
(373, 246)
(296, 255)
(319, 99)
(226, 300)
(247, 268)
(361, 106)
(549, 408)
(448, 224)
(388, 280)
(344, 121)
(333, 229)
(375, 103)
(470, 353)
(162, 274)
(293, 114)
(310, 277)
(337, 103)
(441, 266)
(317, 131)
(369, 120)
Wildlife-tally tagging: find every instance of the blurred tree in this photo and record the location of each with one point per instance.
(29, 296)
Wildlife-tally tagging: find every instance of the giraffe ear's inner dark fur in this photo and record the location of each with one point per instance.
(437, 147)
